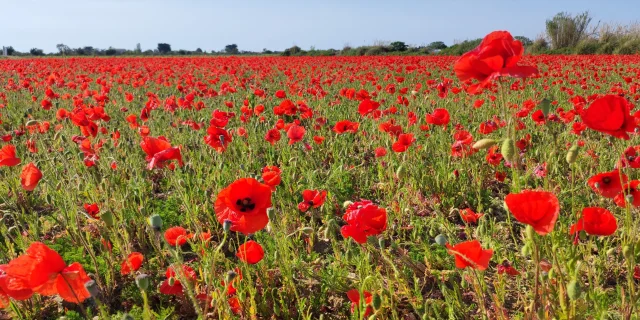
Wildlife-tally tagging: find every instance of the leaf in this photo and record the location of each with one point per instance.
(545, 106)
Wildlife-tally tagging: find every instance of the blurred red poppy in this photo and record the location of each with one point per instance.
(538, 209)
(159, 151)
(469, 216)
(30, 177)
(629, 194)
(607, 184)
(497, 55)
(244, 204)
(470, 254)
(92, 210)
(177, 236)
(132, 263)
(610, 115)
(250, 252)
(439, 117)
(595, 221)
(312, 199)
(272, 176)
(403, 142)
(364, 219)
(8, 156)
(354, 297)
(295, 133)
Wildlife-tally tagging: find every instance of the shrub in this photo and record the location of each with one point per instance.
(587, 46)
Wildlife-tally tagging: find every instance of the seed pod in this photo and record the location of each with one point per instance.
(525, 250)
(142, 281)
(572, 155)
(401, 172)
(484, 144)
(530, 232)
(627, 252)
(226, 225)
(230, 276)
(508, 150)
(377, 301)
(573, 289)
(441, 239)
(271, 214)
(107, 217)
(346, 204)
(155, 221)
(92, 288)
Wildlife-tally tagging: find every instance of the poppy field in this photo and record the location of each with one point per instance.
(495, 185)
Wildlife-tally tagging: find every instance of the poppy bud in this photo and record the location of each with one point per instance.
(582, 235)
(441, 239)
(572, 155)
(401, 172)
(346, 204)
(611, 251)
(573, 290)
(107, 217)
(307, 230)
(627, 252)
(226, 226)
(530, 232)
(171, 281)
(629, 198)
(377, 301)
(484, 144)
(271, 214)
(142, 281)
(230, 276)
(13, 229)
(381, 242)
(127, 316)
(525, 251)
(155, 221)
(92, 287)
(508, 150)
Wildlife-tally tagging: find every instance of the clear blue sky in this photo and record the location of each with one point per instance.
(276, 25)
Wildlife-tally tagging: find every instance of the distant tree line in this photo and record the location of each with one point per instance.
(564, 34)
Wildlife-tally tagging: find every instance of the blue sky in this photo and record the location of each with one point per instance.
(276, 25)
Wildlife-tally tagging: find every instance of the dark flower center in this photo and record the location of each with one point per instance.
(606, 180)
(310, 202)
(245, 204)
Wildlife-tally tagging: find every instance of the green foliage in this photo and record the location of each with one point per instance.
(231, 49)
(587, 46)
(398, 46)
(164, 48)
(460, 48)
(566, 30)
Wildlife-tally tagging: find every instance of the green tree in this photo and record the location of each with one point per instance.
(36, 52)
(525, 41)
(231, 49)
(398, 46)
(565, 30)
(164, 48)
(437, 45)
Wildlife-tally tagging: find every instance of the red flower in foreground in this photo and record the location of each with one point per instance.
(610, 115)
(43, 271)
(439, 117)
(295, 133)
(132, 263)
(469, 216)
(497, 55)
(403, 143)
(367, 106)
(364, 219)
(244, 204)
(354, 297)
(92, 210)
(629, 194)
(312, 199)
(159, 151)
(8, 156)
(30, 177)
(596, 221)
(538, 209)
(250, 252)
(470, 254)
(271, 175)
(173, 285)
(607, 184)
(11, 287)
(217, 138)
(176, 236)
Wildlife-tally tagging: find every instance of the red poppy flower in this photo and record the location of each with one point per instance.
(505, 267)
(354, 297)
(607, 184)
(595, 221)
(271, 175)
(538, 209)
(439, 117)
(173, 285)
(312, 199)
(11, 287)
(281, 94)
(132, 263)
(250, 252)
(159, 151)
(610, 115)
(367, 106)
(403, 142)
(629, 194)
(469, 216)
(470, 254)
(8, 156)
(364, 219)
(30, 177)
(538, 117)
(493, 157)
(273, 136)
(295, 133)
(380, 152)
(244, 204)
(217, 138)
(44, 271)
(177, 236)
(346, 126)
(497, 55)
(92, 210)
